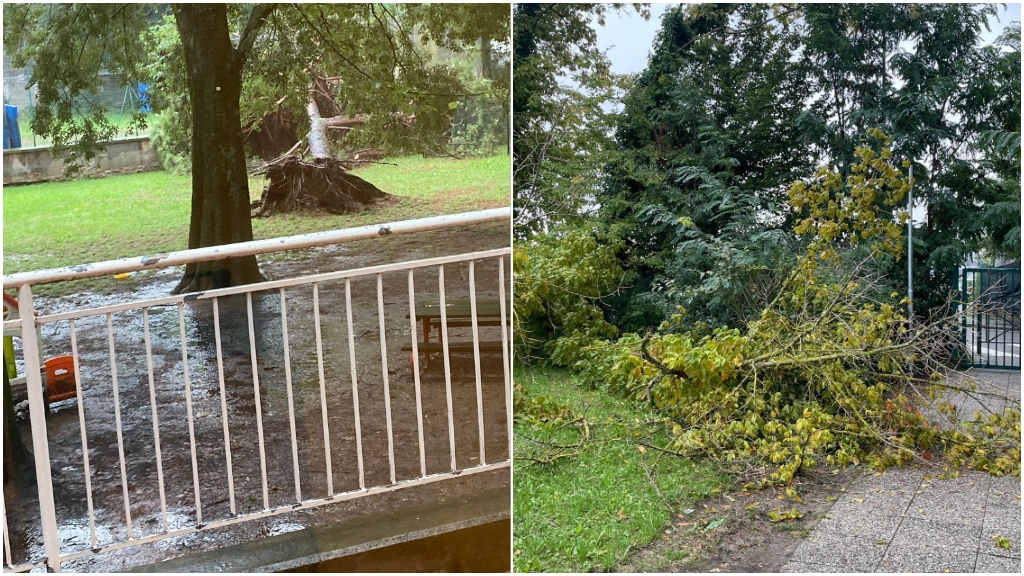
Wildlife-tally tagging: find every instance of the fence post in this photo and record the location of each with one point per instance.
(963, 315)
(37, 417)
(979, 290)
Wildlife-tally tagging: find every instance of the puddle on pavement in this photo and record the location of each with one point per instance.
(485, 548)
(137, 413)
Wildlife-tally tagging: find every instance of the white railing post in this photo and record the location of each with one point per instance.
(37, 417)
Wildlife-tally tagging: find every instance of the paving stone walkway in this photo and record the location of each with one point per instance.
(909, 520)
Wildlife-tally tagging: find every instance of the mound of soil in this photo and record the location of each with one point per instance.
(321, 186)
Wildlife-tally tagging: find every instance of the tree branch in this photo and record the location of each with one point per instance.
(257, 19)
(665, 369)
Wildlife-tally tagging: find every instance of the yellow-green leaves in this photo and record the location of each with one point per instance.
(1002, 542)
(847, 212)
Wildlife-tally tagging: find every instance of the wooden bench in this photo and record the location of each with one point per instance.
(459, 315)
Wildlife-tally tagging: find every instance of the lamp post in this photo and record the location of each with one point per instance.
(910, 248)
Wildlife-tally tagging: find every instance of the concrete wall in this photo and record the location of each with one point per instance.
(26, 165)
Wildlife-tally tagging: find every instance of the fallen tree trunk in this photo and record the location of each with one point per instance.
(317, 137)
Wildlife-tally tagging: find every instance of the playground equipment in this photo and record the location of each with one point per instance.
(58, 373)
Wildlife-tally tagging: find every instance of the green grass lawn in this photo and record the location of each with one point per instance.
(115, 117)
(66, 223)
(587, 512)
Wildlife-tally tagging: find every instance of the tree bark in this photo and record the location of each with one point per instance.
(346, 121)
(317, 137)
(220, 185)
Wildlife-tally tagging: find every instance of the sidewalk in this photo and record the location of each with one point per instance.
(907, 520)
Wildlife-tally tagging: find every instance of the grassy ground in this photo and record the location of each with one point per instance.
(587, 512)
(66, 223)
(115, 117)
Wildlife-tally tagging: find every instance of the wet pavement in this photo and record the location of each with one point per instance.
(137, 411)
(910, 520)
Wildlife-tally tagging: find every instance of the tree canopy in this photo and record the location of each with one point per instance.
(560, 126)
(739, 101)
(740, 270)
(215, 69)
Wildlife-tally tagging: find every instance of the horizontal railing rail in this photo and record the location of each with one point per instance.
(327, 335)
(254, 247)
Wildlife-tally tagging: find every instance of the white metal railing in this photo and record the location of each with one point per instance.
(54, 551)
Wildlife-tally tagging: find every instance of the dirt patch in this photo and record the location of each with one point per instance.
(285, 468)
(734, 532)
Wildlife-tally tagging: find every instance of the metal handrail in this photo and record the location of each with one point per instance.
(53, 553)
(268, 246)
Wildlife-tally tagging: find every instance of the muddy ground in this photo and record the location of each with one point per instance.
(137, 412)
(733, 532)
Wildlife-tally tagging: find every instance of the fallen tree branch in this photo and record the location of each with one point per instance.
(648, 358)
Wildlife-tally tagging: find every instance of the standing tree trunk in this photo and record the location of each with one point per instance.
(220, 185)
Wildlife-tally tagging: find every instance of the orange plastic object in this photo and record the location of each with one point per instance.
(60, 378)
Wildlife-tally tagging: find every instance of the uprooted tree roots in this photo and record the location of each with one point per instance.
(320, 186)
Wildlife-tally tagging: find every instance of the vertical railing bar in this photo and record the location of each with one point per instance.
(1000, 332)
(288, 388)
(1013, 334)
(37, 417)
(3, 505)
(117, 418)
(979, 316)
(85, 442)
(355, 382)
(476, 360)
(323, 387)
(416, 372)
(156, 418)
(259, 405)
(963, 310)
(384, 368)
(223, 405)
(1006, 326)
(447, 365)
(188, 411)
(505, 351)
(1008, 347)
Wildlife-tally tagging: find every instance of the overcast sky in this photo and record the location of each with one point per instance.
(627, 37)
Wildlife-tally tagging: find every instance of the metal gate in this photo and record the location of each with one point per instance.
(991, 334)
(211, 474)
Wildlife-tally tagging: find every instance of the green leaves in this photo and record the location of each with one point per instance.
(1002, 542)
(704, 150)
(561, 128)
(778, 515)
(560, 282)
(827, 373)
(709, 526)
(69, 45)
(372, 50)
